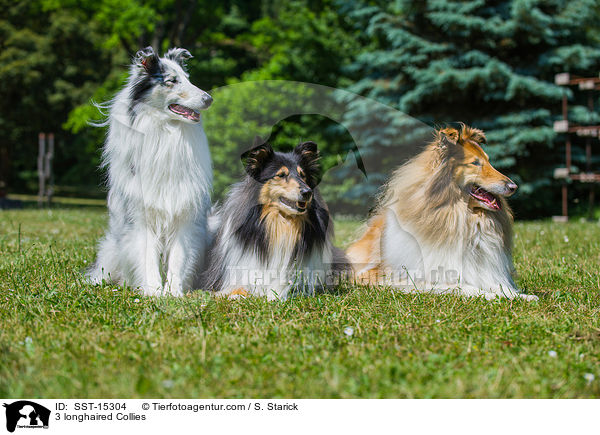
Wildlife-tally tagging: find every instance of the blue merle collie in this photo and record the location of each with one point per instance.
(275, 233)
(159, 179)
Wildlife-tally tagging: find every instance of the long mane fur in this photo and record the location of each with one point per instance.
(159, 179)
(429, 225)
(245, 242)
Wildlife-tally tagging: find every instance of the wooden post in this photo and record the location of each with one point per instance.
(565, 193)
(588, 161)
(45, 173)
(40, 166)
(49, 169)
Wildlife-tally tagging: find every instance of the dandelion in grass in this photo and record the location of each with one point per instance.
(552, 353)
(349, 331)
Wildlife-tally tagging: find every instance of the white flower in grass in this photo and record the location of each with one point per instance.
(552, 353)
(566, 239)
(589, 377)
(168, 383)
(28, 340)
(349, 331)
(115, 290)
(136, 301)
(437, 320)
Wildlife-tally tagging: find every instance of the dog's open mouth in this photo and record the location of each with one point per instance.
(186, 112)
(485, 197)
(297, 206)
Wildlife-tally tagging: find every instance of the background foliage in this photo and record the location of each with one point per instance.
(487, 63)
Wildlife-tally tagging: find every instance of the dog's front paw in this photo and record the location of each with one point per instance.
(152, 290)
(528, 297)
(239, 292)
(174, 288)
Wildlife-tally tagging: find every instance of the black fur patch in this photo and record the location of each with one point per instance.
(262, 164)
(252, 234)
(256, 159)
(242, 210)
(150, 73)
(314, 231)
(309, 157)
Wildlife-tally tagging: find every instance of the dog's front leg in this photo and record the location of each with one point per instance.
(148, 271)
(175, 269)
(183, 257)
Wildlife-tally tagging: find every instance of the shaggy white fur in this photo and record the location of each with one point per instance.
(159, 179)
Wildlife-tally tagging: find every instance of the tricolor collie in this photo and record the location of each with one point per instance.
(275, 234)
(442, 223)
(159, 178)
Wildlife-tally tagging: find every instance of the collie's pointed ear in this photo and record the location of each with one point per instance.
(448, 137)
(179, 55)
(309, 160)
(256, 158)
(148, 60)
(307, 149)
(474, 134)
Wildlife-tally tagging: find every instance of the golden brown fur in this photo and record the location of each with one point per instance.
(282, 225)
(433, 213)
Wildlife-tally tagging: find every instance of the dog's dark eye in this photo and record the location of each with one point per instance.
(476, 163)
(170, 81)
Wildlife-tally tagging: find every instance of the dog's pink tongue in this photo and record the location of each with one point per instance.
(487, 197)
(185, 111)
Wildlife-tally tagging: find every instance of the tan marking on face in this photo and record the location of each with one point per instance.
(283, 172)
(483, 175)
(282, 224)
(301, 173)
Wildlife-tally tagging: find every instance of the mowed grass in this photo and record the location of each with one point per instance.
(60, 337)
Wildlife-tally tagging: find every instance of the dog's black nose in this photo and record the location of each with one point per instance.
(207, 99)
(306, 194)
(511, 187)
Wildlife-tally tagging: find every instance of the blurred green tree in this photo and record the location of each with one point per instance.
(50, 61)
(490, 64)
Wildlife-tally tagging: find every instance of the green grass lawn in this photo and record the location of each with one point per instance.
(60, 337)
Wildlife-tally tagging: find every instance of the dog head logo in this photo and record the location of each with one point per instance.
(26, 414)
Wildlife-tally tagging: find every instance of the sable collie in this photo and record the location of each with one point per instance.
(275, 233)
(442, 223)
(159, 178)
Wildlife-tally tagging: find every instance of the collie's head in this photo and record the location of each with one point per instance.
(463, 167)
(161, 85)
(286, 180)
